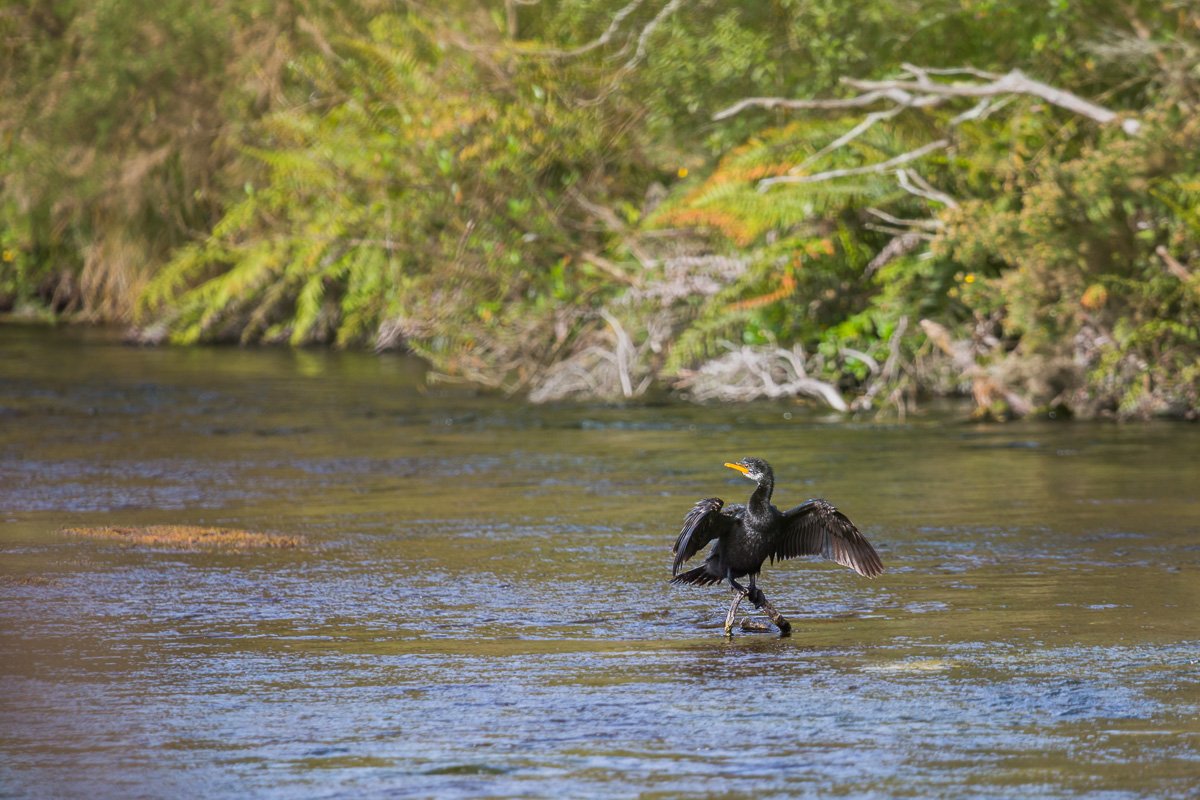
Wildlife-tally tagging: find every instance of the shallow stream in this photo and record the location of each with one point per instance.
(482, 606)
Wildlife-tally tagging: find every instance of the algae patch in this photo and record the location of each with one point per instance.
(190, 537)
(27, 580)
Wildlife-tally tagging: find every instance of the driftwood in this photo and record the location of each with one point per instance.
(749, 373)
(986, 385)
(606, 361)
(761, 602)
(886, 376)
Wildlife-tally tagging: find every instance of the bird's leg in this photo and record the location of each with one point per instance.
(760, 601)
(755, 594)
(739, 594)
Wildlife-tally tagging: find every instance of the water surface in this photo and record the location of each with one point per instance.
(482, 607)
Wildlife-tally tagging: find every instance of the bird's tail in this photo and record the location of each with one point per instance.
(699, 576)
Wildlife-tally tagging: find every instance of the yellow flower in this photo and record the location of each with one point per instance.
(9, 255)
(683, 172)
(969, 277)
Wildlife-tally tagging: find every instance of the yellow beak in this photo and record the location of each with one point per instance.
(738, 467)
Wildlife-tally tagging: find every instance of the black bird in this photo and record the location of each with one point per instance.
(747, 535)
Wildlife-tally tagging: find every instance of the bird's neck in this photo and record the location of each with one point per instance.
(760, 501)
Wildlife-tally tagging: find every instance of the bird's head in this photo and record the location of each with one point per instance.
(753, 468)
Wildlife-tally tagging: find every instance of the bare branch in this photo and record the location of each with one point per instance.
(611, 269)
(907, 179)
(981, 110)
(625, 352)
(986, 384)
(510, 18)
(921, 90)
(664, 12)
(858, 355)
(612, 222)
(882, 166)
(929, 224)
(1172, 264)
(639, 54)
(885, 377)
(849, 136)
(603, 213)
(978, 73)
(794, 358)
(599, 41)
(899, 246)
(891, 231)
(869, 98)
(1015, 82)
(746, 373)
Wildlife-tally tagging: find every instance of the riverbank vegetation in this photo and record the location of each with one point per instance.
(861, 203)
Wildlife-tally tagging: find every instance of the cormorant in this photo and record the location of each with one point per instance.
(747, 535)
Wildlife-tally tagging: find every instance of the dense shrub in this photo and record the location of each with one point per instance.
(507, 187)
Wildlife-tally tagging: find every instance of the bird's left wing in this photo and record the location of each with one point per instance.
(703, 523)
(816, 528)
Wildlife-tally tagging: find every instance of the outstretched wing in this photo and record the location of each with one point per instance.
(816, 528)
(703, 523)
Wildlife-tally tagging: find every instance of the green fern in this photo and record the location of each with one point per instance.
(809, 242)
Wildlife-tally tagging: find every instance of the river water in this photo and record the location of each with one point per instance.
(482, 606)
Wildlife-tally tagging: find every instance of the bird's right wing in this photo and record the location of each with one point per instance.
(703, 523)
(816, 528)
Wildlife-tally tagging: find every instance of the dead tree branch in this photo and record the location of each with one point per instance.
(922, 91)
(1013, 83)
(625, 352)
(849, 136)
(639, 55)
(913, 183)
(1172, 264)
(748, 373)
(832, 104)
(899, 246)
(927, 224)
(641, 49)
(599, 41)
(987, 385)
(885, 377)
(882, 166)
(947, 71)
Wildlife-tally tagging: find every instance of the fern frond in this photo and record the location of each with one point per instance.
(733, 202)
(236, 218)
(189, 264)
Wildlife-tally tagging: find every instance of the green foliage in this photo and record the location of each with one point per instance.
(472, 181)
(404, 196)
(113, 118)
(811, 243)
(1056, 248)
(1085, 246)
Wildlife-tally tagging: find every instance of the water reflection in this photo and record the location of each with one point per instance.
(483, 609)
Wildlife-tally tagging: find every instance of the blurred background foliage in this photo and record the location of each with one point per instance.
(536, 195)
